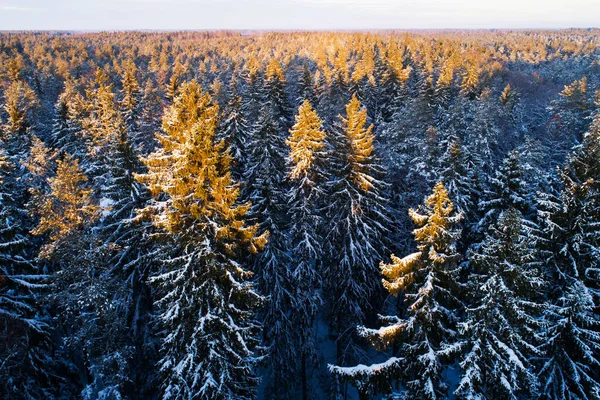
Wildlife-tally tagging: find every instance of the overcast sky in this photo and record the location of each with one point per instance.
(296, 14)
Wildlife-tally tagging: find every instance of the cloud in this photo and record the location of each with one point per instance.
(6, 7)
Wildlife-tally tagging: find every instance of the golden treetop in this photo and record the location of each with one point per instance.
(434, 233)
(68, 207)
(361, 139)
(274, 71)
(306, 138)
(192, 169)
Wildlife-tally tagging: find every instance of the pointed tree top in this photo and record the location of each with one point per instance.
(306, 137)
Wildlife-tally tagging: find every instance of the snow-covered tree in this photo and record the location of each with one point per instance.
(502, 328)
(234, 130)
(457, 173)
(276, 95)
(569, 236)
(149, 118)
(264, 188)
(306, 87)
(568, 118)
(130, 99)
(306, 177)
(507, 189)
(254, 90)
(207, 303)
(27, 370)
(572, 345)
(425, 337)
(358, 221)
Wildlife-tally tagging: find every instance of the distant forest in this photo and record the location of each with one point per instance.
(300, 215)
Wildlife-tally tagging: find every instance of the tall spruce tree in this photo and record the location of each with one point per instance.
(507, 189)
(264, 187)
(207, 303)
(427, 335)
(502, 327)
(572, 344)
(358, 221)
(306, 176)
(234, 130)
(28, 367)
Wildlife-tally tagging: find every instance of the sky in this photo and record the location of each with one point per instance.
(295, 14)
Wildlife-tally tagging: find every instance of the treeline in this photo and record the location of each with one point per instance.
(194, 215)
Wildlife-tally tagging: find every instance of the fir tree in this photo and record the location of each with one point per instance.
(207, 304)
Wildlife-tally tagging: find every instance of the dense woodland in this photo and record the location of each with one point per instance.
(228, 215)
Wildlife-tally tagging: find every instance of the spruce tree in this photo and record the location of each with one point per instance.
(306, 87)
(502, 327)
(275, 85)
(572, 345)
(28, 368)
(130, 101)
(568, 235)
(264, 187)
(306, 178)
(149, 118)
(456, 171)
(569, 118)
(507, 189)
(358, 221)
(234, 130)
(207, 303)
(426, 337)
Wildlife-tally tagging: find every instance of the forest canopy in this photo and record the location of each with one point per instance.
(315, 215)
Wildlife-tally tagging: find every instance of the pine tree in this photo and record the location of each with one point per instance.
(207, 304)
(357, 224)
(429, 279)
(502, 329)
(306, 177)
